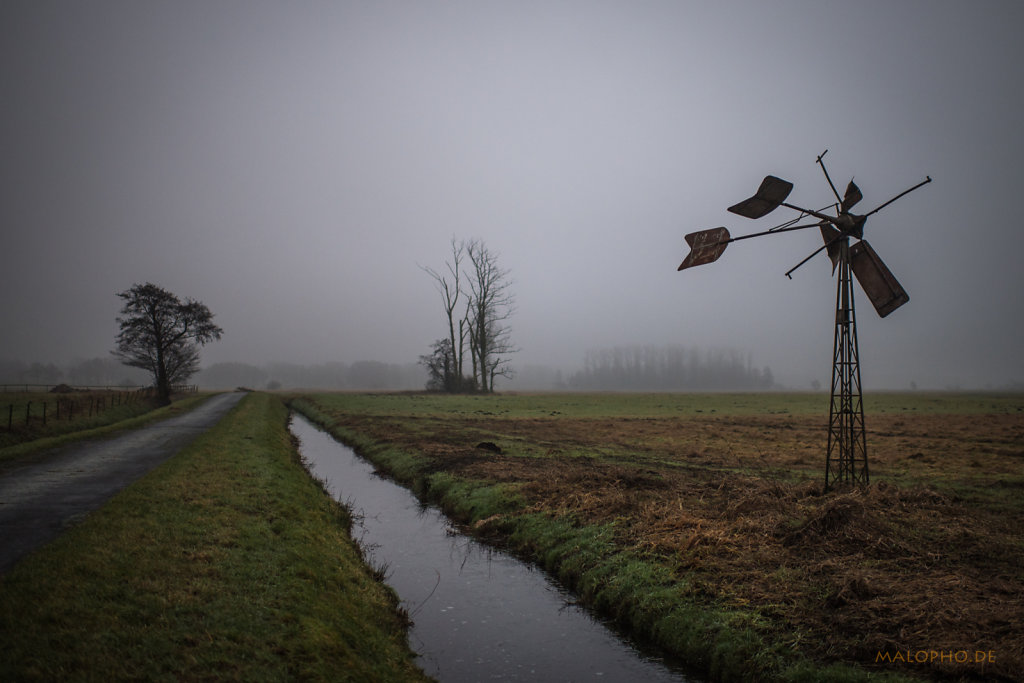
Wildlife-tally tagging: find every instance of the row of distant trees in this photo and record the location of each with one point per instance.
(477, 299)
(669, 368)
(95, 372)
(626, 368)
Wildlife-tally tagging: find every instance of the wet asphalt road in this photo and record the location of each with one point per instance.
(38, 500)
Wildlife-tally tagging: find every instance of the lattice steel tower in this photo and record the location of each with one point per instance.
(847, 458)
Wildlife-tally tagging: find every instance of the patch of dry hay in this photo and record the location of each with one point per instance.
(852, 573)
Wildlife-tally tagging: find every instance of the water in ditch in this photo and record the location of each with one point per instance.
(478, 614)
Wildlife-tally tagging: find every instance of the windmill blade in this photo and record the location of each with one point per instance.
(831, 237)
(851, 197)
(705, 246)
(769, 196)
(876, 280)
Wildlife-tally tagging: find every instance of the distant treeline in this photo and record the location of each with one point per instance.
(369, 375)
(624, 368)
(95, 372)
(361, 375)
(669, 368)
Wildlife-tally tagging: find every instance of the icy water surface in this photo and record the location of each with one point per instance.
(479, 614)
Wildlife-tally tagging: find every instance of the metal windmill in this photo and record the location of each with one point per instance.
(846, 460)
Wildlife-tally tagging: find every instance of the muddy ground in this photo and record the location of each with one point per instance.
(929, 558)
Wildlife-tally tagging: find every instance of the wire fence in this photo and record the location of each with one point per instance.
(38, 403)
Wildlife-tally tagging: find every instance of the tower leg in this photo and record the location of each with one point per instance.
(847, 461)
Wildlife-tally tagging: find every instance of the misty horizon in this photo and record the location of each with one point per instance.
(374, 375)
(294, 167)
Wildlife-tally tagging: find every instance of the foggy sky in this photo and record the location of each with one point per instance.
(293, 164)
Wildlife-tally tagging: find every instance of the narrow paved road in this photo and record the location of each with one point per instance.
(39, 500)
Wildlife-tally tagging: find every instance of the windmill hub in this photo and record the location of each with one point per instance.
(850, 224)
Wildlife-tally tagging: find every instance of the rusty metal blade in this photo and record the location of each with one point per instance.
(769, 196)
(705, 246)
(831, 237)
(851, 197)
(876, 280)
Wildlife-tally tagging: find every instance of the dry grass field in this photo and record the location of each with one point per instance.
(925, 563)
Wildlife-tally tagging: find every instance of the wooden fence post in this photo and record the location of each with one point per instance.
(28, 411)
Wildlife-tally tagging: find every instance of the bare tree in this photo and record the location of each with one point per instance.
(473, 277)
(450, 286)
(491, 304)
(162, 334)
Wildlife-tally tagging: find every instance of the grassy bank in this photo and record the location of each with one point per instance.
(24, 440)
(699, 521)
(226, 562)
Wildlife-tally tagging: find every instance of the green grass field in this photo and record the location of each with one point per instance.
(228, 562)
(24, 440)
(29, 416)
(610, 404)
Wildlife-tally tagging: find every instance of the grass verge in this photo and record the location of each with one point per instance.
(226, 562)
(112, 420)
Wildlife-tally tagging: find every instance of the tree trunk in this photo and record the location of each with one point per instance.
(163, 386)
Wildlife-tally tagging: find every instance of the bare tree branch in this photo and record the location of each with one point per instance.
(491, 304)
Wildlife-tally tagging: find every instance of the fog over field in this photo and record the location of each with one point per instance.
(292, 165)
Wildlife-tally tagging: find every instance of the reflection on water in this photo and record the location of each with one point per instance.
(478, 614)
